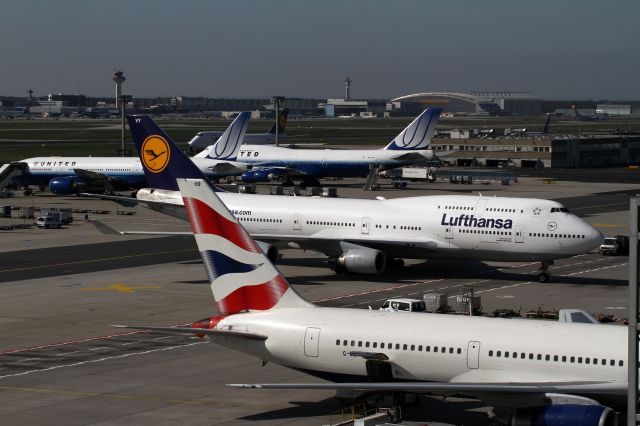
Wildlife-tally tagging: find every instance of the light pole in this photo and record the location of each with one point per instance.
(123, 103)
(277, 100)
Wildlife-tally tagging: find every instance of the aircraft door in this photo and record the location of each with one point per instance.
(312, 342)
(519, 234)
(473, 354)
(365, 225)
(448, 232)
(297, 222)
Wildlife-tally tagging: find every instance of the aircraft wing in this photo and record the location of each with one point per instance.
(594, 388)
(123, 201)
(225, 168)
(411, 157)
(88, 174)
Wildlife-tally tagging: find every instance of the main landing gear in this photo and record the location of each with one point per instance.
(543, 275)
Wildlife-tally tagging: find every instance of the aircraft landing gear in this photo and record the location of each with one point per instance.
(543, 275)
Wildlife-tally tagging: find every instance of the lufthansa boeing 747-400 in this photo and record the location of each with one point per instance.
(366, 236)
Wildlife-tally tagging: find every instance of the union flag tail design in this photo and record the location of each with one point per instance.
(242, 278)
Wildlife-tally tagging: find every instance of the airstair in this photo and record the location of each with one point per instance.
(9, 170)
(372, 177)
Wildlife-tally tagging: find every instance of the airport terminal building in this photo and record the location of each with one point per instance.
(557, 152)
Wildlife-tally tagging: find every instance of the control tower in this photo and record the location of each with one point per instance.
(347, 89)
(118, 78)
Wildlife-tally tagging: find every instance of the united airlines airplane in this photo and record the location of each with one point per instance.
(71, 175)
(366, 236)
(533, 371)
(204, 139)
(278, 163)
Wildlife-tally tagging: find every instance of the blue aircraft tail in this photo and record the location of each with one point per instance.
(228, 144)
(163, 162)
(418, 134)
(282, 122)
(545, 129)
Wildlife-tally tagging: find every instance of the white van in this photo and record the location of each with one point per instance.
(49, 221)
(404, 305)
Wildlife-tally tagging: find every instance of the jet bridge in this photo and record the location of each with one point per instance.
(10, 170)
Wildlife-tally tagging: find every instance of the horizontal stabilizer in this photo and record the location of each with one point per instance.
(107, 230)
(208, 331)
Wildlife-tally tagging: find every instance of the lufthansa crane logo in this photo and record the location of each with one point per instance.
(155, 153)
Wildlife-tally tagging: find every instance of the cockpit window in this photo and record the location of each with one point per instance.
(559, 209)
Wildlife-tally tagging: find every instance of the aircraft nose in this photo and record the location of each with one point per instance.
(593, 237)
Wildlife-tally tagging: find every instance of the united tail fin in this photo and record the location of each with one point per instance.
(162, 161)
(242, 277)
(228, 144)
(282, 122)
(418, 134)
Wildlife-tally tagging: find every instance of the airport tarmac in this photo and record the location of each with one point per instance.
(62, 363)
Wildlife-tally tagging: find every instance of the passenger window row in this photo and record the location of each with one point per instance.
(258, 219)
(398, 346)
(552, 235)
(319, 222)
(489, 209)
(403, 227)
(482, 231)
(555, 358)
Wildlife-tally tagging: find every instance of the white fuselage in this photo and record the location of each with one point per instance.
(204, 139)
(435, 347)
(447, 226)
(124, 168)
(313, 161)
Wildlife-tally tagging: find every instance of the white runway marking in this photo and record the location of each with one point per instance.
(93, 361)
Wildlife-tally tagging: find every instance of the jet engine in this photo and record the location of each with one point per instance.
(360, 261)
(68, 185)
(269, 250)
(564, 414)
(260, 175)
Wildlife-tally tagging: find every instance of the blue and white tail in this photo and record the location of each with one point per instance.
(418, 134)
(228, 144)
(242, 278)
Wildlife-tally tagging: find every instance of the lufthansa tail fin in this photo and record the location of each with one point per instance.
(418, 134)
(228, 144)
(162, 161)
(282, 122)
(242, 277)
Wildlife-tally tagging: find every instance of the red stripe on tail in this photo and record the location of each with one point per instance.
(259, 297)
(205, 220)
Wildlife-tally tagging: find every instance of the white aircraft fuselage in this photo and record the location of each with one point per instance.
(447, 226)
(434, 347)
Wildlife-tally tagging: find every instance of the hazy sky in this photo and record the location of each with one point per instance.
(554, 49)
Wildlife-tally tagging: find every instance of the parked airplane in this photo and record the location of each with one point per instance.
(278, 163)
(534, 371)
(365, 236)
(204, 139)
(71, 175)
(589, 117)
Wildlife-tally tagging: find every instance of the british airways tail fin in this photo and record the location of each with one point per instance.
(282, 122)
(545, 129)
(417, 135)
(242, 278)
(162, 161)
(228, 144)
